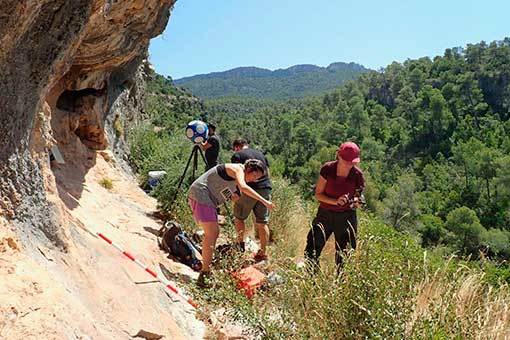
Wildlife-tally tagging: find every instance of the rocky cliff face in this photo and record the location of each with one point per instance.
(67, 69)
(71, 79)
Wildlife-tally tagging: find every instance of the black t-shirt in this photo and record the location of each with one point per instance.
(243, 155)
(211, 154)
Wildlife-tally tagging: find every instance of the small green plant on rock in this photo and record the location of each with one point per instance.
(106, 183)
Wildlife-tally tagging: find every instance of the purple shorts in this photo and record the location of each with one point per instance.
(202, 212)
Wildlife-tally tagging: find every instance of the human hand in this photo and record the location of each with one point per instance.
(235, 197)
(342, 200)
(356, 202)
(269, 205)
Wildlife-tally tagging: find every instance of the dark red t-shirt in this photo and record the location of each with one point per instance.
(337, 186)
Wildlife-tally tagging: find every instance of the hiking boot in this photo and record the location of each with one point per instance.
(204, 280)
(259, 256)
(240, 247)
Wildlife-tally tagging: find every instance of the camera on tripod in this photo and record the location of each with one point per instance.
(197, 131)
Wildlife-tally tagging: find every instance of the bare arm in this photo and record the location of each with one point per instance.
(237, 171)
(205, 145)
(321, 196)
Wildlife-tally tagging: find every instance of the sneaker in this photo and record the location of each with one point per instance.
(204, 280)
(259, 256)
(240, 246)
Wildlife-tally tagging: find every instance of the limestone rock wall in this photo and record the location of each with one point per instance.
(67, 70)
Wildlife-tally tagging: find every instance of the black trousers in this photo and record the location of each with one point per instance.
(343, 224)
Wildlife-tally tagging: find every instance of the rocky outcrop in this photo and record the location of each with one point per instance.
(66, 68)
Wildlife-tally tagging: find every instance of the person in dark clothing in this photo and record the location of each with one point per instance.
(246, 204)
(338, 190)
(212, 147)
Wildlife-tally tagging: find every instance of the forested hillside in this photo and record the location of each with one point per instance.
(253, 82)
(434, 135)
(435, 141)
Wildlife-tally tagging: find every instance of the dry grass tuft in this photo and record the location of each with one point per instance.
(460, 303)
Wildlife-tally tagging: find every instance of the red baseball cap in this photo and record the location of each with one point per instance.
(349, 151)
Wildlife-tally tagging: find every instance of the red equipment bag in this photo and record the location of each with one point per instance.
(250, 278)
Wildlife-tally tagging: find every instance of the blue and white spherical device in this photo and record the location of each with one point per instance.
(196, 131)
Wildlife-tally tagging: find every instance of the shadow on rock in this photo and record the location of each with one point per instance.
(174, 276)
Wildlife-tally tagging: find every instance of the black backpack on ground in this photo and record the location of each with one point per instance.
(178, 244)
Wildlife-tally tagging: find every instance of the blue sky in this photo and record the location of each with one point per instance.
(205, 36)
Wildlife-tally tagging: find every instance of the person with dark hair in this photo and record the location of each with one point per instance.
(212, 147)
(213, 188)
(246, 204)
(338, 190)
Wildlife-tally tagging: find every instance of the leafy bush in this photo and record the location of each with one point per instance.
(432, 230)
(466, 228)
(168, 152)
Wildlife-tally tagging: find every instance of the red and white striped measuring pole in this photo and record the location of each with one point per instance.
(140, 264)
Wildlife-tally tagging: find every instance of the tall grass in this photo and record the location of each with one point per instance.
(458, 302)
(289, 221)
(389, 288)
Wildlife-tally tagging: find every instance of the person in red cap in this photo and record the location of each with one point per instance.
(338, 190)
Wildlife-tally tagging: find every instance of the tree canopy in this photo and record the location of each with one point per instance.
(434, 135)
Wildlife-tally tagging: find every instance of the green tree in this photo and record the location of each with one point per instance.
(503, 176)
(401, 202)
(379, 120)
(467, 230)
(407, 108)
(359, 121)
(435, 130)
(463, 156)
(432, 230)
(497, 242)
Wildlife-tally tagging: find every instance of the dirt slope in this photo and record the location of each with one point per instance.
(92, 291)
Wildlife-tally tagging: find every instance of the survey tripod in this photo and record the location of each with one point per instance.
(193, 156)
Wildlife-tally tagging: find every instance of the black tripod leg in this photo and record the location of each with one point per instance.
(194, 156)
(182, 178)
(195, 162)
(203, 157)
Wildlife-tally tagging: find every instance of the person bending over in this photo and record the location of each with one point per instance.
(212, 189)
(246, 204)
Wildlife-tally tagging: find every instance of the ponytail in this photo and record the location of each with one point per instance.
(254, 165)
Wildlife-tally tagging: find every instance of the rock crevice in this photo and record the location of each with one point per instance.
(66, 66)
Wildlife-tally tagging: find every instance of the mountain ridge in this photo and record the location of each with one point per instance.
(250, 81)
